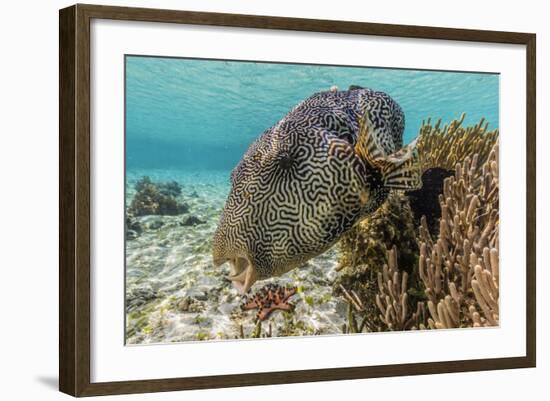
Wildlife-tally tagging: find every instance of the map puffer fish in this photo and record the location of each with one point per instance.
(330, 162)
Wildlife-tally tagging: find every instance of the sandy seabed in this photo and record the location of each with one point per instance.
(175, 294)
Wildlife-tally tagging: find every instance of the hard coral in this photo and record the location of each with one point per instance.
(459, 269)
(156, 199)
(269, 299)
(444, 147)
(454, 280)
(393, 298)
(363, 250)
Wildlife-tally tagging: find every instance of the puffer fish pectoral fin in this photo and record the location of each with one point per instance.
(368, 148)
(400, 170)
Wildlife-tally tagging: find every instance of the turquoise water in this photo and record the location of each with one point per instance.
(202, 114)
(189, 122)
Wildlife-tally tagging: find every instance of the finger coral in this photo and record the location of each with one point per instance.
(393, 299)
(444, 147)
(459, 269)
(454, 281)
(363, 251)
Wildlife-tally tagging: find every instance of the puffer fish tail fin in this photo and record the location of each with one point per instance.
(400, 170)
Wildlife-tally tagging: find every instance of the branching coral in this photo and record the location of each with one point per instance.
(455, 282)
(460, 268)
(486, 291)
(363, 251)
(397, 310)
(393, 299)
(444, 147)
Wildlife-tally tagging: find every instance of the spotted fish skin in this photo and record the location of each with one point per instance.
(301, 184)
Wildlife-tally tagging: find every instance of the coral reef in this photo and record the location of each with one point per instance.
(453, 280)
(460, 268)
(363, 251)
(393, 298)
(156, 199)
(398, 306)
(444, 147)
(439, 150)
(268, 299)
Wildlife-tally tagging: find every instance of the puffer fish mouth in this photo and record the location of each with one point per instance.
(242, 272)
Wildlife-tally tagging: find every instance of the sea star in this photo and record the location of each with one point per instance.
(268, 299)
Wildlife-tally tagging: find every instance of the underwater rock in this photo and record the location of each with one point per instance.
(194, 195)
(152, 222)
(139, 296)
(156, 199)
(425, 201)
(133, 227)
(192, 221)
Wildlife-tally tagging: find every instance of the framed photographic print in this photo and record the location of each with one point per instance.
(340, 200)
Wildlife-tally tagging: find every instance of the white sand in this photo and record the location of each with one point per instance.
(174, 293)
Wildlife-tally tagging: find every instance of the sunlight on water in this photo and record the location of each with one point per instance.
(203, 114)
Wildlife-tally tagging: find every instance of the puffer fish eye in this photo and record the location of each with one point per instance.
(286, 161)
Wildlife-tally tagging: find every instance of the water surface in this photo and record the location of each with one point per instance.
(202, 114)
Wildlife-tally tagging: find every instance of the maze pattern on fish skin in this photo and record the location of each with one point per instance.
(300, 185)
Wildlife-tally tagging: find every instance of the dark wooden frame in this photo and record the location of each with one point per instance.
(74, 199)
